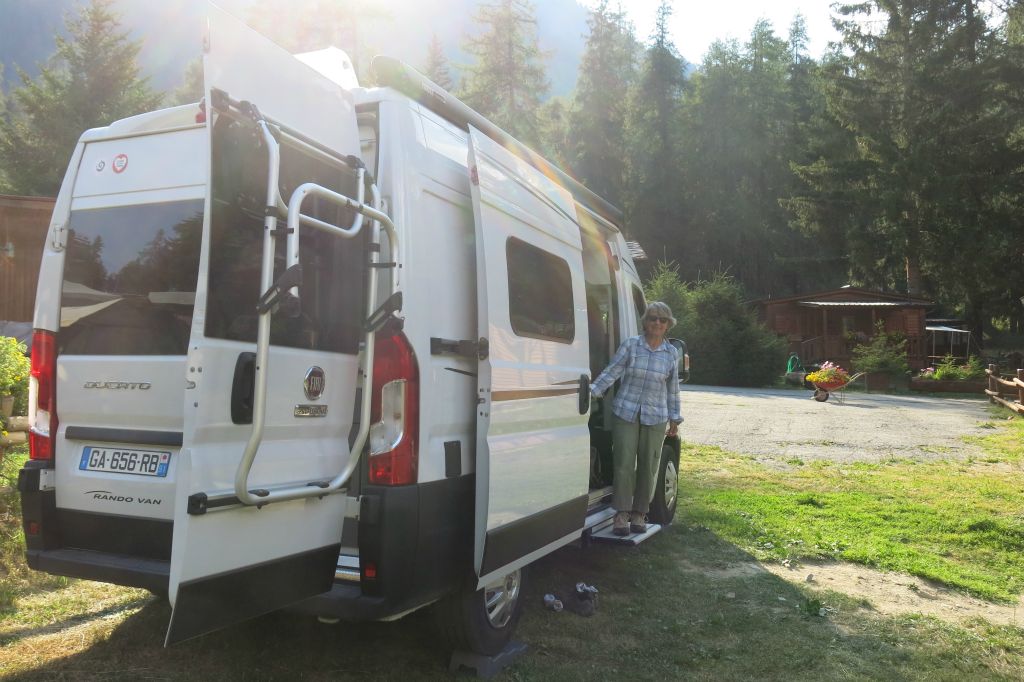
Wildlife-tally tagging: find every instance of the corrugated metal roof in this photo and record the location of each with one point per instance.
(951, 330)
(636, 251)
(861, 304)
(846, 291)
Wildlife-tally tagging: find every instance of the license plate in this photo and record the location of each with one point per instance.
(125, 461)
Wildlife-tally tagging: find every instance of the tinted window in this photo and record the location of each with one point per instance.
(540, 293)
(332, 292)
(130, 279)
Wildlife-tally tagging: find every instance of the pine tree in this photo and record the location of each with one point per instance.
(91, 80)
(655, 182)
(507, 82)
(192, 86)
(308, 25)
(921, 172)
(598, 114)
(553, 136)
(437, 68)
(1014, 23)
(740, 121)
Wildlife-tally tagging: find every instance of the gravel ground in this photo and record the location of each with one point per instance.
(870, 427)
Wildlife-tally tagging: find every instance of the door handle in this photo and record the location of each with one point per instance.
(242, 388)
(584, 394)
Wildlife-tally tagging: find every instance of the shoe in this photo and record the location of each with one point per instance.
(621, 524)
(637, 522)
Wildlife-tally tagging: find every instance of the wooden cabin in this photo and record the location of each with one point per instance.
(827, 325)
(23, 225)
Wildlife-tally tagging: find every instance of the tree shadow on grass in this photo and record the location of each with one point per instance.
(278, 646)
(689, 605)
(685, 605)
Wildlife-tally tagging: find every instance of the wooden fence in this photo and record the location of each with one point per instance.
(1007, 392)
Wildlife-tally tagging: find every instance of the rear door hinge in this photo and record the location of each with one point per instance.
(465, 348)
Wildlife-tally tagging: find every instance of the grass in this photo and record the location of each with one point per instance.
(666, 612)
(691, 604)
(15, 577)
(956, 523)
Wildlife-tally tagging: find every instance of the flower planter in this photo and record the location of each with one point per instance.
(948, 385)
(829, 385)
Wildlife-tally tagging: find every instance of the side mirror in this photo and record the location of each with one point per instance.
(684, 359)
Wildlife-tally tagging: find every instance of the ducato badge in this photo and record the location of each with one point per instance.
(314, 383)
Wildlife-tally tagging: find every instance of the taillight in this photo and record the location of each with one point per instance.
(394, 413)
(42, 396)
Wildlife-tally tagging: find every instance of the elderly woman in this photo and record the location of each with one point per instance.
(646, 402)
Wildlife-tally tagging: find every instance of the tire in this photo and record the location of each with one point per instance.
(820, 394)
(467, 623)
(666, 487)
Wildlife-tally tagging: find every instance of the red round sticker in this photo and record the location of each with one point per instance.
(120, 163)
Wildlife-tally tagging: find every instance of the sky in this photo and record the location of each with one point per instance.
(695, 24)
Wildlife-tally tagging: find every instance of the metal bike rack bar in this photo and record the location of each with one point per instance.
(295, 219)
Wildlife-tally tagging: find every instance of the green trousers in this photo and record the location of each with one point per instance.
(637, 453)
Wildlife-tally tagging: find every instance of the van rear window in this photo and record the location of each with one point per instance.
(332, 298)
(130, 279)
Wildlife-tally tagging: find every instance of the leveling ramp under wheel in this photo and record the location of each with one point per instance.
(603, 533)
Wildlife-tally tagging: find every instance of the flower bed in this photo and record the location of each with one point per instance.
(948, 385)
(950, 377)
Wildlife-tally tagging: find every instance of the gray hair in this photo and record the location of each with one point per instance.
(660, 309)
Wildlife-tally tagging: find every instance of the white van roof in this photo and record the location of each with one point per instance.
(151, 122)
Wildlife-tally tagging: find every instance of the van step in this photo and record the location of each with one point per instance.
(599, 497)
(603, 533)
(150, 574)
(599, 518)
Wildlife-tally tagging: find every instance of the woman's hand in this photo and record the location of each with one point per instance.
(673, 429)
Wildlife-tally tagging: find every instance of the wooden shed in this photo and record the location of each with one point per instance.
(23, 225)
(827, 325)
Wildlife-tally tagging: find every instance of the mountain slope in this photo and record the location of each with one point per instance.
(171, 32)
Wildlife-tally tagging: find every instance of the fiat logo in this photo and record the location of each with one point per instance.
(314, 383)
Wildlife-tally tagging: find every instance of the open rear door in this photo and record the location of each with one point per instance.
(232, 561)
(533, 444)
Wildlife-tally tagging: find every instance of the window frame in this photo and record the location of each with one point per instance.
(640, 304)
(552, 257)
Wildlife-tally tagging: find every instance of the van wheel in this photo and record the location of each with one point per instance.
(482, 621)
(666, 488)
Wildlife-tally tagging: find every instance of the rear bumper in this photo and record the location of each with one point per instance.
(347, 602)
(418, 540)
(149, 574)
(113, 549)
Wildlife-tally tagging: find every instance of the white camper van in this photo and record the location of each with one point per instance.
(322, 348)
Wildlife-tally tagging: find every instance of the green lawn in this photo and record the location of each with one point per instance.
(674, 608)
(958, 523)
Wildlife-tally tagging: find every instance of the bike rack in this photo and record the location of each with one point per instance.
(272, 292)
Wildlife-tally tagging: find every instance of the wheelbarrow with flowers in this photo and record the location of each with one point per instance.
(831, 378)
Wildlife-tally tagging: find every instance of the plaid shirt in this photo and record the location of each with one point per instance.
(650, 382)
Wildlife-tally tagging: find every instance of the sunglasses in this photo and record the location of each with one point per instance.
(663, 320)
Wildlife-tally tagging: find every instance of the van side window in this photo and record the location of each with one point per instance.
(334, 269)
(540, 293)
(641, 306)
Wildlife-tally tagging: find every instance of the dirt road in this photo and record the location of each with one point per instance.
(788, 424)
